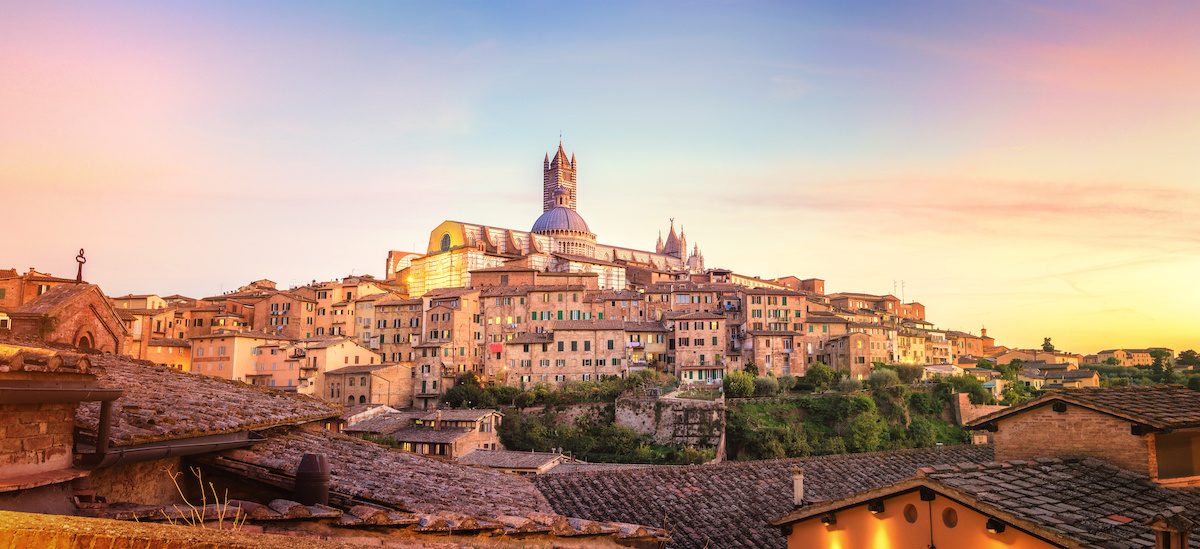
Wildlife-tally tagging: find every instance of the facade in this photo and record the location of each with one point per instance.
(1133, 357)
(75, 314)
(560, 240)
(370, 384)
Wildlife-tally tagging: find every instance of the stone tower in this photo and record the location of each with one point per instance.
(558, 172)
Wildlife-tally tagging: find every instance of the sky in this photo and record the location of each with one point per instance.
(1031, 167)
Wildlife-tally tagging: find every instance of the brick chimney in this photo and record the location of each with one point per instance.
(437, 421)
(797, 486)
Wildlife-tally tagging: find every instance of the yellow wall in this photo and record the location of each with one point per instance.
(857, 528)
(458, 236)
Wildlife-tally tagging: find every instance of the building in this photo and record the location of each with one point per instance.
(235, 355)
(700, 341)
(1133, 357)
(373, 384)
(516, 463)
(444, 434)
(1058, 378)
(1111, 467)
(560, 240)
(73, 314)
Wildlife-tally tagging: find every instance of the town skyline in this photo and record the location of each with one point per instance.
(359, 136)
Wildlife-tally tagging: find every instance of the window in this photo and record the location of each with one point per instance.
(1178, 454)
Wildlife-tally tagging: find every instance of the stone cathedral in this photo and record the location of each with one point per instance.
(559, 241)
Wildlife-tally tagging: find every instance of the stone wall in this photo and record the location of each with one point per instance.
(669, 420)
(1077, 432)
(35, 437)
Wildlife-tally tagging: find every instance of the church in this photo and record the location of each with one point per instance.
(559, 241)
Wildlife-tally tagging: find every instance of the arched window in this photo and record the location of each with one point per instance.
(445, 242)
(350, 399)
(362, 399)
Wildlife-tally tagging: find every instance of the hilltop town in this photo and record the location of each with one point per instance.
(509, 387)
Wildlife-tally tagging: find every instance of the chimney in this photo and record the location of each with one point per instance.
(1171, 528)
(797, 486)
(437, 421)
(312, 480)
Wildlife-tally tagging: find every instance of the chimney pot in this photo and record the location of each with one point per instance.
(312, 480)
(797, 486)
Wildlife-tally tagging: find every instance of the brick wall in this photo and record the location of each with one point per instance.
(1042, 432)
(35, 437)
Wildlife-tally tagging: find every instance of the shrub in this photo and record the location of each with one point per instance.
(866, 432)
(1194, 383)
(818, 376)
(765, 386)
(909, 374)
(849, 385)
(787, 383)
(739, 384)
(882, 379)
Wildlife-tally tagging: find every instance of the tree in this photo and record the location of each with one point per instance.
(1194, 383)
(1112, 361)
(1188, 358)
(786, 383)
(819, 376)
(849, 385)
(922, 432)
(1047, 345)
(751, 368)
(909, 374)
(739, 384)
(866, 432)
(1162, 369)
(882, 379)
(467, 393)
(765, 386)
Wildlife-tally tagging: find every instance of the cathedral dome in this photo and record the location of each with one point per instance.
(560, 218)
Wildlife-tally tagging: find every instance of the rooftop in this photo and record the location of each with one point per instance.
(161, 403)
(1158, 406)
(728, 505)
(509, 459)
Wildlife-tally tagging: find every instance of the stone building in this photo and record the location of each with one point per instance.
(74, 314)
(559, 240)
(379, 384)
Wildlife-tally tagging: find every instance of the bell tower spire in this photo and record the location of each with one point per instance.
(558, 172)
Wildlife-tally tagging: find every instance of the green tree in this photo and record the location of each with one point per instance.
(468, 393)
(922, 433)
(1161, 368)
(1112, 361)
(1194, 383)
(882, 379)
(765, 386)
(1047, 345)
(751, 368)
(819, 376)
(909, 374)
(787, 383)
(1188, 358)
(739, 384)
(866, 432)
(849, 385)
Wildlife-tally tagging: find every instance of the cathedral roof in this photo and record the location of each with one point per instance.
(560, 218)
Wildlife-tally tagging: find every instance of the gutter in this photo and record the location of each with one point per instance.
(102, 456)
(37, 392)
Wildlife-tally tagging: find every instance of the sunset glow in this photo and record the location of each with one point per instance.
(1026, 168)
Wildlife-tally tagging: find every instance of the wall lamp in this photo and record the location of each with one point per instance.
(828, 519)
(994, 526)
(875, 507)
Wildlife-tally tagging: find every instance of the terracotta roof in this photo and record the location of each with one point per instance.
(824, 318)
(729, 505)
(459, 414)
(530, 338)
(169, 342)
(53, 298)
(1075, 499)
(642, 326)
(162, 403)
(385, 424)
(425, 434)
(569, 325)
(678, 315)
(509, 459)
(613, 295)
(584, 467)
(359, 368)
(1158, 406)
(407, 481)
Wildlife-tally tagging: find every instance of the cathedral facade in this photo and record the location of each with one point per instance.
(560, 240)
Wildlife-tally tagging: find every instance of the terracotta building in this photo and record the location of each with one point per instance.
(379, 384)
(1110, 467)
(75, 314)
(700, 342)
